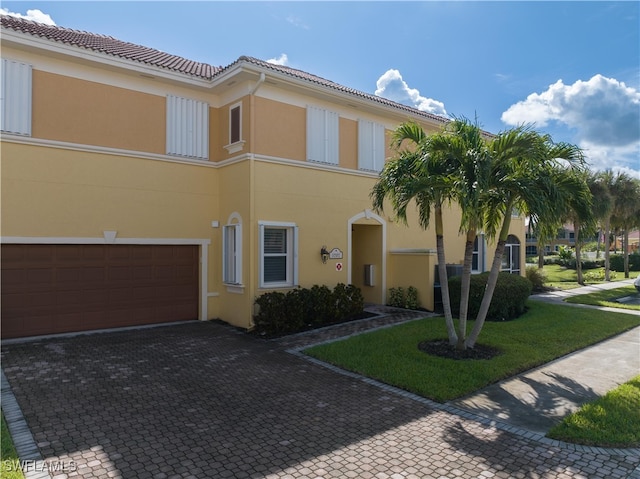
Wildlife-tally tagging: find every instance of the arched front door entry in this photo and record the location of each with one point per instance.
(367, 259)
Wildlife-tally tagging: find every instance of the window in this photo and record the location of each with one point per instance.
(235, 123)
(232, 251)
(371, 146)
(187, 127)
(477, 261)
(15, 97)
(278, 254)
(511, 255)
(322, 135)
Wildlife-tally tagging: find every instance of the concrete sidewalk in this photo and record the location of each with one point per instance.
(538, 399)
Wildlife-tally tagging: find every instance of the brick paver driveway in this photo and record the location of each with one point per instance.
(203, 400)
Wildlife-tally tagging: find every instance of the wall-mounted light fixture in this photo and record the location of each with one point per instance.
(324, 254)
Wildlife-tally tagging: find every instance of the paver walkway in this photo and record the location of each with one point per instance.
(201, 400)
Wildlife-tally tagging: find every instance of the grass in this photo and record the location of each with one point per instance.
(9, 460)
(545, 332)
(560, 277)
(611, 421)
(606, 298)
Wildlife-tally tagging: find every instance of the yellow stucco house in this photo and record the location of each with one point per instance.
(140, 187)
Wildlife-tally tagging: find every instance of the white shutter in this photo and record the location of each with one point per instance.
(15, 97)
(371, 146)
(187, 127)
(322, 135)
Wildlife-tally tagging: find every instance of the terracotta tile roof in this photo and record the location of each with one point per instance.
(110, 46)
(114, 47)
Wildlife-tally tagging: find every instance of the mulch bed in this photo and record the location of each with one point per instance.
(442, 348)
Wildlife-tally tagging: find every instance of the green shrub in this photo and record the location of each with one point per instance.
(348, 302)
(301, 308)
(586, 264)
(508, 301)
(617, 262)
(396, 297)
(401, 298)
(595, 276)
(412, 301)
(537, 278)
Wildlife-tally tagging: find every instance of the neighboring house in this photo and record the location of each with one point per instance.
(565, 237)
(140, 187)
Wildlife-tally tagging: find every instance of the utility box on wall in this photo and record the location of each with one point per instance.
(369, 275)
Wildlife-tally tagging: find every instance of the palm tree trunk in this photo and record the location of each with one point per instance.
(465, 286)
(576, 233)
(607, 247)
(444, 281)
(625, 251)
(540, 253)
(492, 280)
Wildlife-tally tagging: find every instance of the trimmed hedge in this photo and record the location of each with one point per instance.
(301, 308)
(508, 300)
(616, 262)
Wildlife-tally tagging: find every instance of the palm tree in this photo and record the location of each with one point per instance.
(602, 201)
(528, 176)
(463, 146)
(626, 211)
(415, 174)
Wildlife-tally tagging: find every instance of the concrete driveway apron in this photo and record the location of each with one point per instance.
(202, 400)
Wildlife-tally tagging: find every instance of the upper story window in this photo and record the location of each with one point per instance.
(371, 147)
(236, 143)
(187, 127)
(322, 135)
(15, 97)
(235, 123)
(278, 254)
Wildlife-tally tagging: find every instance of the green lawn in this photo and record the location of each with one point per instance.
(9, 462)
(611, 421)
(545, 332)
(606, 298)
(560, 277)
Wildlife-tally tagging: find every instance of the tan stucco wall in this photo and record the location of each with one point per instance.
(280, 129)
(78, 111)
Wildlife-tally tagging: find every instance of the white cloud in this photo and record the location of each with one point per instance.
(35, 15)
(283, 60)
(392, 87)
(603, 112)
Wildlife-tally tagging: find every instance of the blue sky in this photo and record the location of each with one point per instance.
(570, 68)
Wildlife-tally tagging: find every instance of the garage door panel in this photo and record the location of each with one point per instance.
(39, 254)
(61, 288)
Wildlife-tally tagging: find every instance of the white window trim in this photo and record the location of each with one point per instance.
(292, 259)
(235, 221)
(237, 146)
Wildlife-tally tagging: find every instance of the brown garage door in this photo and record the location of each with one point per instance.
(61, 288)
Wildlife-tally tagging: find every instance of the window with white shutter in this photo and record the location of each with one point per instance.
(371, 146)
(15, 97)
(187, 127)
(322, 135)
